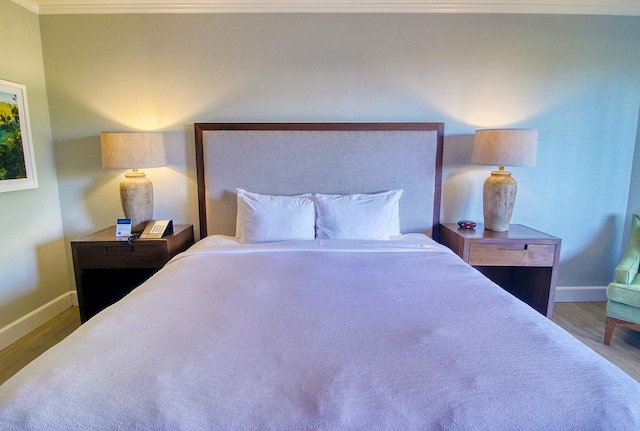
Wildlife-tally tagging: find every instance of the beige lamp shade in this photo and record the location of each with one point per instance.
(134, 150)
(505, 147)
(502, 147)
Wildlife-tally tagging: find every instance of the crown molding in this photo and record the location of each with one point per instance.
(61, 7)
(28, 4)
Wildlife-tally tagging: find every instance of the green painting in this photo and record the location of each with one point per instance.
(12, 165)
(17, 164)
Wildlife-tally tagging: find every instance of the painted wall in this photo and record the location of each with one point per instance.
(33, 268)
(574, 78)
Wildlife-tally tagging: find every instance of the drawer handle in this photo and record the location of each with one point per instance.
(119, 249)
(512, 247)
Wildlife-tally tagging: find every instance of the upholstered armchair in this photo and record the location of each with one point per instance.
(623, 294)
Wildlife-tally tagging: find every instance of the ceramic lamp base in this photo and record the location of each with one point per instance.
(136, 193)
(498, 198)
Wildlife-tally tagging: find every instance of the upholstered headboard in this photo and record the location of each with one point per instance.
(336, 158)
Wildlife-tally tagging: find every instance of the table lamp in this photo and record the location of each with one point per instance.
(133, 151)
(502, 147)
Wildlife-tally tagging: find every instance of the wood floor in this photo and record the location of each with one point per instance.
(14, 357)
(585, 320)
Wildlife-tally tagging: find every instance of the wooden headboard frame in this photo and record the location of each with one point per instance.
(292, 158)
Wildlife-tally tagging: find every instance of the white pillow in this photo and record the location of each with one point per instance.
(358, 216)
(267, 218)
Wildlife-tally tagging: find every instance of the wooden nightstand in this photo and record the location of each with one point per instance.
(107, 268)
(522, 260)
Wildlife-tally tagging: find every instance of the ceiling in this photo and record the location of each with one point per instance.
(588, 7)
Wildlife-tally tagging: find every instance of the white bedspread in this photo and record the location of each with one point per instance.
(333, 335)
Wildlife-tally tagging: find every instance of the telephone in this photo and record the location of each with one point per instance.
(157, 229)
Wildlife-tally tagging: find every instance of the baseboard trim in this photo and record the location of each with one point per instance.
(21, 327)
(581, 293)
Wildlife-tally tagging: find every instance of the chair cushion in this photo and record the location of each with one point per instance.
(623, 312)
(628, 294)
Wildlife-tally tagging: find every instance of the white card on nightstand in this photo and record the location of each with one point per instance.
(123, 227)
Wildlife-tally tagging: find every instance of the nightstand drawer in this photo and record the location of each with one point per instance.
(121, 256)
(515, 254)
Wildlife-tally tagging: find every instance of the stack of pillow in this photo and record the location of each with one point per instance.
(269, 218)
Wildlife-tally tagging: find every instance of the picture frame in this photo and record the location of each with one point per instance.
(17, 160)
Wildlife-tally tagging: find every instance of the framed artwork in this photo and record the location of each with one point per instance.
(17, 162)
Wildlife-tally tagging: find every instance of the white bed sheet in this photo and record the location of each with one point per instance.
(320, 335)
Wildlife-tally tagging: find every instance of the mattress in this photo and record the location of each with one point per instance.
(320, 335)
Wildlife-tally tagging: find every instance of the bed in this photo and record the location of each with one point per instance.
(340, 331)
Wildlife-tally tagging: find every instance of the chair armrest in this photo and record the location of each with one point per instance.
(627, 269)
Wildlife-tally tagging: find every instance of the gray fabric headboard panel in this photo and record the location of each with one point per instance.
(339, 158)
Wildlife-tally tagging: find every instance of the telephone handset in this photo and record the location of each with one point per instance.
(157, 229)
